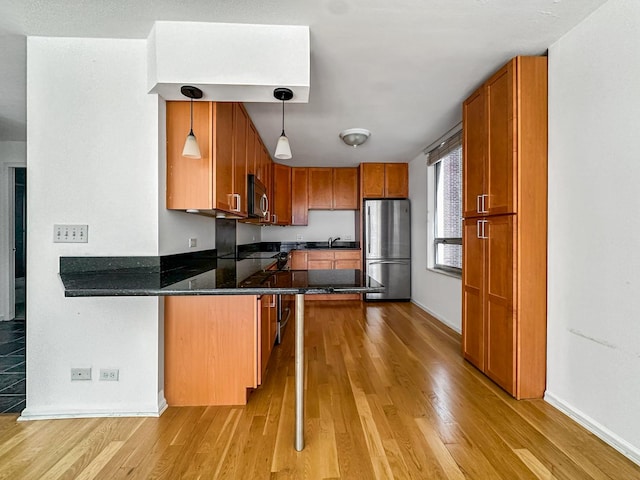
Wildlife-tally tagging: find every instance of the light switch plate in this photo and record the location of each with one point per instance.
(70, 233)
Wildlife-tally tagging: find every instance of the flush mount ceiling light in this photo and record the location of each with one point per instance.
(355, 136)
(191, 148)
(283, 150)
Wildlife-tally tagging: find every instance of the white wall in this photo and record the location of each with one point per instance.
(247, 233)
(322, 225)
(12, 154)
(437, 293)
(92, 159)
(594, 227)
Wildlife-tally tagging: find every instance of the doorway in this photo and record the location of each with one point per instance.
(13, 332)
(20, 236)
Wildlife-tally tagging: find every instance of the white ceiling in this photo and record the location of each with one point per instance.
(400, 68)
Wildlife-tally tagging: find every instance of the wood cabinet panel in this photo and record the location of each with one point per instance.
(345, 188)
(472, 293)
(320, 188)
(223, 161)
(281, 194)
(298, 260)
(189, 181)
(499, 301)
(211, 349)
(299, 196)
(347, 254)
(319, 264)
(474, 152)
(240, 150)
(396, 180)
(499, 170)
(253, 145)
(372, 180)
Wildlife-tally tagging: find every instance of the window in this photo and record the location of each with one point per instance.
(446, 161)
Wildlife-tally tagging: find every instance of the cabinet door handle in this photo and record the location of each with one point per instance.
(479, 228)
(478, 201)
(236, 197)
(484, 226)
(484, 204)
(274, 218)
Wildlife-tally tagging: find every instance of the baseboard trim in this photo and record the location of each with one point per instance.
(27, 415)
(600, 431)
(437, 317)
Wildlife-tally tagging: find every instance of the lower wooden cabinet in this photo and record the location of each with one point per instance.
(216, 347)
(327, 260)
(503, 311)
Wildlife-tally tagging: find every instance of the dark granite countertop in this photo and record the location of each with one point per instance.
(201, 274)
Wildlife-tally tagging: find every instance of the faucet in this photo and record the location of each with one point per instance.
(331, 240)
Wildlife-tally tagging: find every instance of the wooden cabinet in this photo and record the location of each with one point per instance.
(345, 188)
(333, 188)
(218, 180)
(384, 180)
(505, 227)
(213, 349)
(281, 200)
(320, 188)
(327, 260)
(267, 334)
(299, 196)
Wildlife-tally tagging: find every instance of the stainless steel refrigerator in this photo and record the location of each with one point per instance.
(387, 247)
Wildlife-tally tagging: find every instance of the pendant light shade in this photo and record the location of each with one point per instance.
(283, 150)
(191, 148)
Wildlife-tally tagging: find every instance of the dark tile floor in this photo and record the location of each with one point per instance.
(12, 366)
(12, 357)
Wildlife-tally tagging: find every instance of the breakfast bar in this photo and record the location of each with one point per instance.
(207, 275)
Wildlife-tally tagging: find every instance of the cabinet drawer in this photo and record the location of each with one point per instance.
(346, 264)
(348, 255)
(320, 265)
(320, 255)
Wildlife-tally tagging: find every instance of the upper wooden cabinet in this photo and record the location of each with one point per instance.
(504, 276)
(281, 201)
(384, 180)
(345, 188)
(217, 181)
(333, 188)
(320, 188)
(500, 123)
(299, 196)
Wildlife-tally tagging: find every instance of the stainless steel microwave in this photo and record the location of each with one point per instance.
(258, 202)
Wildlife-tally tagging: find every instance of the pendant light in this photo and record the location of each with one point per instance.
(191, 148)
(283, 150)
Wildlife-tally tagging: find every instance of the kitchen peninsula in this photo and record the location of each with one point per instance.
(201, 275)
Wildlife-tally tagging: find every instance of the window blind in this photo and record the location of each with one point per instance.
(443, 149)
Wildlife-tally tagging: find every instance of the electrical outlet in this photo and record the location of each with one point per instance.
(80, 374)
(348, 238)
(109, 374)
(299, 237)
(193, 242)
(70, 233)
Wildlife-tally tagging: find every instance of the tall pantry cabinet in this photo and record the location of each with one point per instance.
(504, 272)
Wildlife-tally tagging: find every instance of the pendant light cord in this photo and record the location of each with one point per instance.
(282, 134)
(191, 126)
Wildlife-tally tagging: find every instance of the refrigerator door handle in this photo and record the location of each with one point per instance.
(392, 262)
(368, 229)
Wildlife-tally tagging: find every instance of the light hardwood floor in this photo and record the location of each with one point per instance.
(388, 396)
